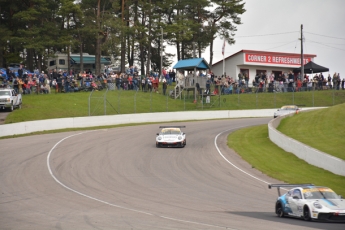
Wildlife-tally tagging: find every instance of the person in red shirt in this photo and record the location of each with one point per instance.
(299, 85)
(130, 82)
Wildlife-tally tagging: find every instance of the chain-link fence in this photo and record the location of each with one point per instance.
(107, 102)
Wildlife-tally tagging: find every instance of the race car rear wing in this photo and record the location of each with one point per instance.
(172, 126)
(278, 186)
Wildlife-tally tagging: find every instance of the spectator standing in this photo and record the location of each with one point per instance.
(310, 85)
(165, 86)
(246, 78)
(334, 80)
(208, 85)
(299, 76)
(9, 75)
(304, 85)
(343, 84)
(338, 81)
(320, 81)
(291, 82)
(298, 85)
(172, 76)
(20, 72)
(143, 81)
(164, 73)
(16, 84)
(329, 80)
(264, 79)
(149, 85)
(59, 82)
(29, 85)
(20, 85)
(135, 83)
(240, 78)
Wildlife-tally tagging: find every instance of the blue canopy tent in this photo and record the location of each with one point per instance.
(192, 64)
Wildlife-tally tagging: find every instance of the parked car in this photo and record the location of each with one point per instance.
(286, 109)
(310, 202)
(9, 99)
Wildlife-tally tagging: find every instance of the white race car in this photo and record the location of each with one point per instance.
(171, 136)
(286, 109)
(310, 202)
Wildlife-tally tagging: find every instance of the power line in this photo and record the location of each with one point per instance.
(261, 35)
(325, 45)
(324, 35)
(259, 43)
(281, 45)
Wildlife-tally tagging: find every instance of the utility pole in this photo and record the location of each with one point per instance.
(302, 58)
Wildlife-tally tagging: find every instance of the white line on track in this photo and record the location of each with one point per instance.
(215, 144)
(114, 205)
(139, 211)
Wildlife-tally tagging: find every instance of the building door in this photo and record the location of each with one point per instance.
(245, 72)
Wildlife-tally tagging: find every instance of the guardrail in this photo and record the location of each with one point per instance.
(94, 121)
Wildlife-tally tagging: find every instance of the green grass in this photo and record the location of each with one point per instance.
(47, 106)
(322, 129)
(254, 146)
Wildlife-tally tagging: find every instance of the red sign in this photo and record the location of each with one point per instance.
(275, 59)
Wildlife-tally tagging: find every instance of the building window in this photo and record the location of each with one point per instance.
(51, 63)
(61, 61)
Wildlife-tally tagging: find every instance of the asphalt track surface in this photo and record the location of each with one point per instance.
(3, 115)
(117, 179)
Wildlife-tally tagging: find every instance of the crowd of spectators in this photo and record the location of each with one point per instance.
(63, 81)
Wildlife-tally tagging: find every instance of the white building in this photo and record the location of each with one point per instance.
(253, 62)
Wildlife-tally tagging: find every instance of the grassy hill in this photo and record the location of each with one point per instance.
(322, 129)
(59, 105)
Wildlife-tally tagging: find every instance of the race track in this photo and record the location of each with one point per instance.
(117, 179)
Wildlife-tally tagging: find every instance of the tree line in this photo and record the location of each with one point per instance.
(128, 30)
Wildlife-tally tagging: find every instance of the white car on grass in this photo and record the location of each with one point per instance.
(171, 136)
(310, 202)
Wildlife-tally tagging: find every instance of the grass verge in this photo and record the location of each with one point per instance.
(254, 146)
(323, 129)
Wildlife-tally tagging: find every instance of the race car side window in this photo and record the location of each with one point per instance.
(297, 194)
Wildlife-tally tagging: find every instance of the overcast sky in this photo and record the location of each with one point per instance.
(323, 26)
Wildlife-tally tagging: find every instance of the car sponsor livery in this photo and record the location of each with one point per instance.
(310, 202)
